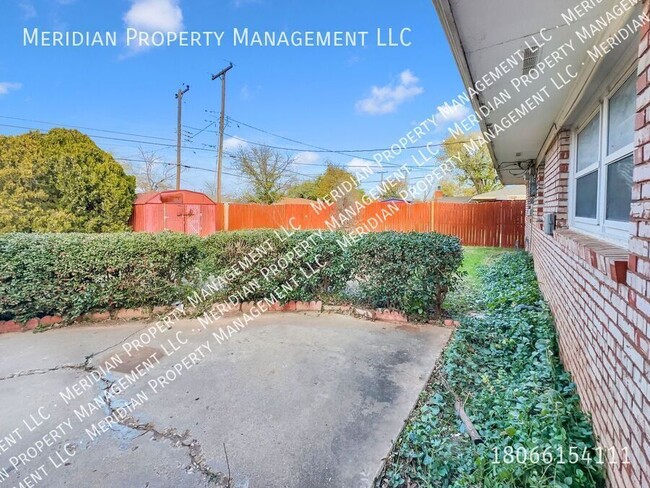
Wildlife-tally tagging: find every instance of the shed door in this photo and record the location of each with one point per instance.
(193, 219)
(174, 217)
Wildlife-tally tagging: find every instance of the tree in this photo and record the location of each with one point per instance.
(267, 172)
(209, 187)
(450, 187)
(61, 181)
(305, 189)
(323, 185)
(154, 174)
(474, 169)
(392, 189)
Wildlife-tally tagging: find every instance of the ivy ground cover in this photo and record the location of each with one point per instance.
(502, 367)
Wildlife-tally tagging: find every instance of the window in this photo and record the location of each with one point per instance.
(603, 164)
(587, 169)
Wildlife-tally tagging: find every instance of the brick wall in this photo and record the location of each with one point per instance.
(604, 344)
(556, 178)
(602, 310)
(538, 198)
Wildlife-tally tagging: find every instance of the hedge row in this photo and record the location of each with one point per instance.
(72, 274)
(505, 367)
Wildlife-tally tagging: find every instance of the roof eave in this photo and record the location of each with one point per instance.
(446, 16)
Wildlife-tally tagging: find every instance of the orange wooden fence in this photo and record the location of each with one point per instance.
(256, 216)
(498, 224)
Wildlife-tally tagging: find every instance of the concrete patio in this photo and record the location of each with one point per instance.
(294, 400)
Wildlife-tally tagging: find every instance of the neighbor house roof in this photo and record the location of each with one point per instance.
(454, 199)
(508, 192)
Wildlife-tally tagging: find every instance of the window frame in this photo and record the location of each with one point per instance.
(610, 230)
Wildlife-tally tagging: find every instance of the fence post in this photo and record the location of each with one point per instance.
(226, 214)
(432, 222)
(501, 225)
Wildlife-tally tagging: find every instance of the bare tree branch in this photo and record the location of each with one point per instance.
(154, 174)
(267, 172)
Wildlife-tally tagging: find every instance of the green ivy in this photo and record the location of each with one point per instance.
(505, 366)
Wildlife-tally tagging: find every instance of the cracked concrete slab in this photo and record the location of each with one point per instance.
(25, 352)
(294, 400)
(124, 457)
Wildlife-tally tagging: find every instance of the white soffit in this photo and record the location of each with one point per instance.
(487, 32)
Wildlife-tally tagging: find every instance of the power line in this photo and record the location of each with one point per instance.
(295, 149)
(187, 166)
(154, 143)
(200, 130)
(212, 148)
(299, 150)
(299, 142)
(166, 146)
(192, 136)
(118, 138)
(54, 124)
(341, 151)
(208, 148)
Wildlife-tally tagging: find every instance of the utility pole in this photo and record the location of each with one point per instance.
(179, 97)
(221, 74)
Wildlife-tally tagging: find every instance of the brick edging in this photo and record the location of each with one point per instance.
(379, 314)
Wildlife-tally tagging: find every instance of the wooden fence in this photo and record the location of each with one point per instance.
(498, 224)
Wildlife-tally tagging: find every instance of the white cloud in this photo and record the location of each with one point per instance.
(452, 113)
(352, 60)
(233, 144)
(6, 87)
(29, 11)
(306, 157)
(385, 99)
(356, 164)
(155, 15)
(248, 93)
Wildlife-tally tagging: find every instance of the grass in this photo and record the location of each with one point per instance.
(462, 299)
(474, 257)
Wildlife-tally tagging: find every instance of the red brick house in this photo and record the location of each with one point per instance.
(562, 89)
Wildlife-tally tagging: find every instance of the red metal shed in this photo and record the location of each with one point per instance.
(184, 211)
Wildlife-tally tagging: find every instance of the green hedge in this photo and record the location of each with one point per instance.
(265, 248)
(408, 271)
(72, 274)
(505, 366)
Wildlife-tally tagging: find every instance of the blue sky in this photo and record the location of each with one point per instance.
(318, 95)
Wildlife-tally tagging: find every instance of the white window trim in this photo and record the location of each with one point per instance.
(608, 230)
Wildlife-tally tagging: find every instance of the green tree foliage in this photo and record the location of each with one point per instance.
(322, 186)
(392, 189)
(305, 189)
(450, 187)
(61, 182)
(474, 170)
